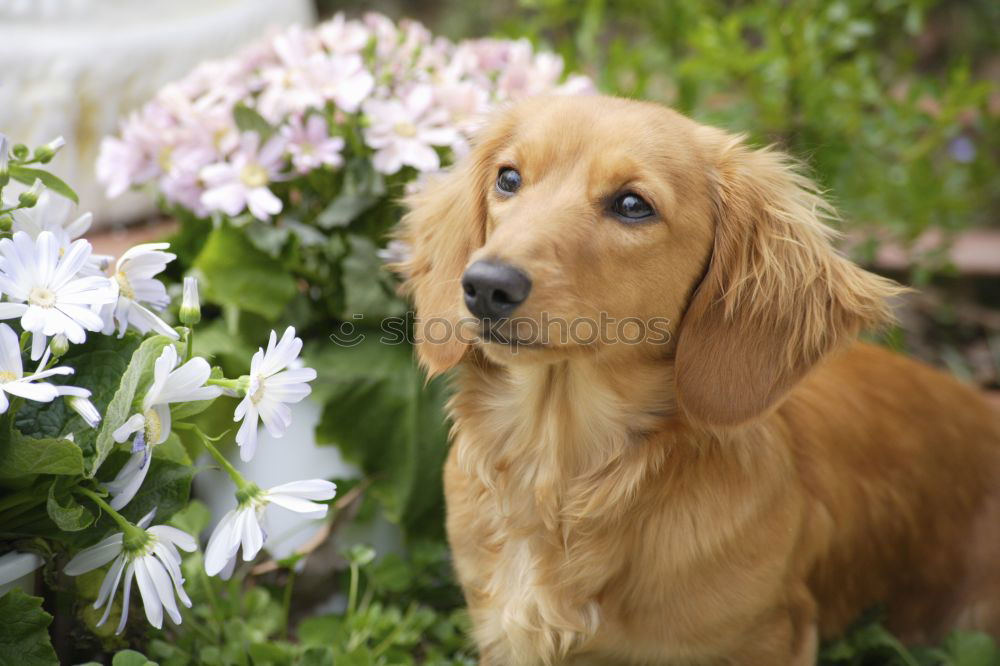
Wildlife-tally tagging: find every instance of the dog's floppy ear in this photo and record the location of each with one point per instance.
(445, 224)
(776, 296)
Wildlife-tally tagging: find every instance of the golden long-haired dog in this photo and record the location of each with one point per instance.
(729, 493)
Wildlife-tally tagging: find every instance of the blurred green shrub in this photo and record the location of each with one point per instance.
(884, 100)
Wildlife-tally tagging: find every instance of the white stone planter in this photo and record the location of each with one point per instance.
(74, 67)
(291, 458)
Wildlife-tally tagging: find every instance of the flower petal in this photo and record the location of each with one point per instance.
(129, 572)
(223, 543)
(96, 556)
(314, 489)
(151, 602)
(179, 538)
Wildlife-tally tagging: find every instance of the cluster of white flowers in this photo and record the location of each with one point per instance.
(52, 284)
(416, 96)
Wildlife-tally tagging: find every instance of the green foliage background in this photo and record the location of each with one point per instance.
(893, 104)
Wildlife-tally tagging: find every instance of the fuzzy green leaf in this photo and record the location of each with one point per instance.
(23, 456)
(131, 658)
(68, 514)
(237, 273)
(248, 120)
(24, 636)
(138, 374)
(99, 363)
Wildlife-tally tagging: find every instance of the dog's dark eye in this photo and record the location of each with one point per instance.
(631, 206)
(509, 180)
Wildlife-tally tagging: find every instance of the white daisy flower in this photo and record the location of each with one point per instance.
(152, 426)
(242, 525)
(271, 387)
(136, 289)
(55, 213)
(151, 557)
(15, 382)
(46, 291)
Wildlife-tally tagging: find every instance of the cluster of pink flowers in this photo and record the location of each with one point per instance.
(416, 97)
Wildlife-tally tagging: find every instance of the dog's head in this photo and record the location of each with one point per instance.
(605, 227)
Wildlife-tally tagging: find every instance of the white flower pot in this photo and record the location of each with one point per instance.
(74, 67)
(294, 457)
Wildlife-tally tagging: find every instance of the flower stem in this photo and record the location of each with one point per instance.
(128, 528)
(212, 601)
(241, 483)
(388, 640)
(236, 384)
(286, 602)
(352, 595)
(190, 344)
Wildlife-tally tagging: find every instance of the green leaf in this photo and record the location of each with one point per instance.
(22, 456)
(368, 286)
(238, 274)
(99, 363)
(68, 514)
(344, 209)
(272, 653)
(968, 648)
(131, 658)
(138, 373)
(383, 417)
(317, 656)
(24, 638)
(28, 175)
(193, 519)
(248, 120)
(321, 630)
(362, 188)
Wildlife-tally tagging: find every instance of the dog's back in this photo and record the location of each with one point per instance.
(903, 465)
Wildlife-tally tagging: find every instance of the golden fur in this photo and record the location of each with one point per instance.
(729, 497)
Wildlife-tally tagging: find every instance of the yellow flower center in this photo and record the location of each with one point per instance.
(163, 159)
(256, 389)
(7, 377)
(153, 427)
(217, 137)
(253, 175)
(124, 285)
(405, 129)
(42, 297)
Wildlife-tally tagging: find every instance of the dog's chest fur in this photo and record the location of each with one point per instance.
(558, 478)
(556, 456)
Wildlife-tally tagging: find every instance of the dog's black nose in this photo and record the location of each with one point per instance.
(493, 290)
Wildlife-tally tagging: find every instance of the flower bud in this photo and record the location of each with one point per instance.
(44, 154)
(190, 313)
(6, 223)
(30, 197)
(85, 408)
(20, 152)
(59, 345)
(4, 160)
